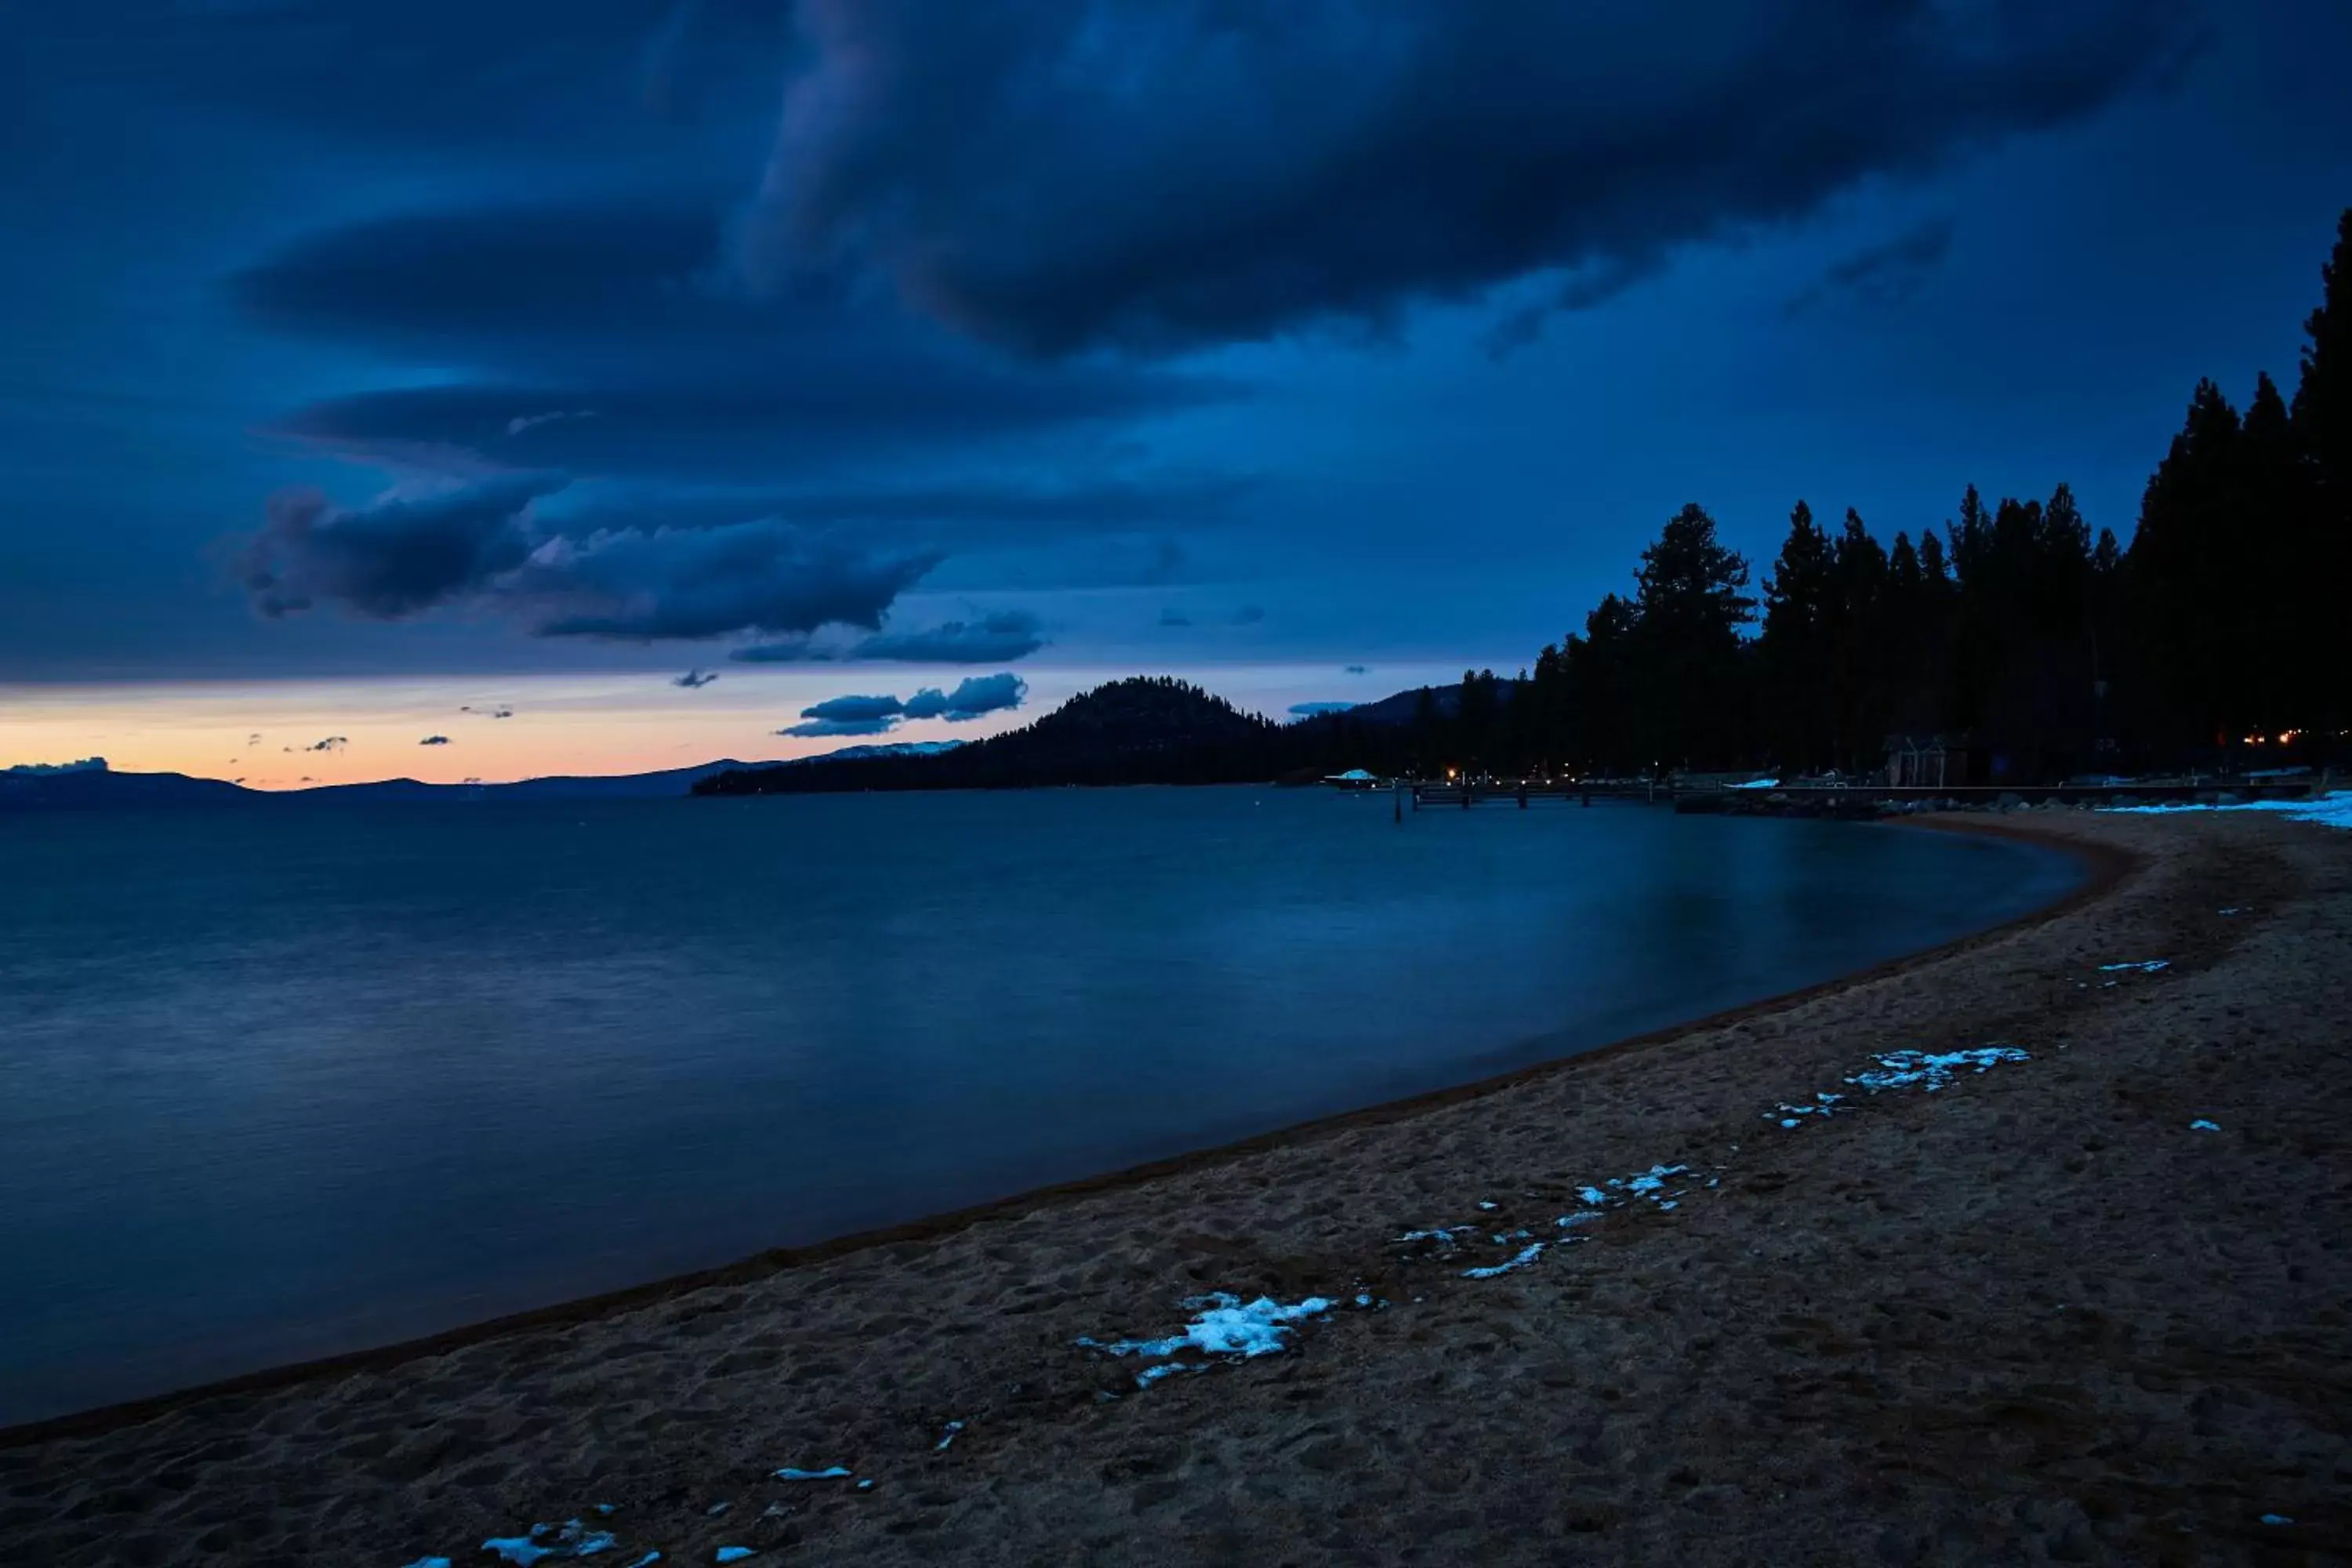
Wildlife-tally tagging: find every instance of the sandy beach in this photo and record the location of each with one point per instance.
(2089, 1300)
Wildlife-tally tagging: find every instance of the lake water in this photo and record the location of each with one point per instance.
(281, 1082)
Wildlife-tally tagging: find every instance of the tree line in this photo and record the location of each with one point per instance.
(2015, 631)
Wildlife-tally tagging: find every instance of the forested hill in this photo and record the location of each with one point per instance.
(1142, 730)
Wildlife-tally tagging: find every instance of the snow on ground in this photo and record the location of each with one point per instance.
(2327, 811)
(1222, 1325)
(1824, 1104)
(830, 1473)
(2140, 967)
(1524, 1255)
(1446, 1241)
(1931, 1071)
(568, 1541)
(2201, 1125)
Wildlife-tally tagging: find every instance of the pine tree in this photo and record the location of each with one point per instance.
(2061, 566)
(2323, 428)
(1910, 701)
(1856, 630)
(1475, 718)
(1971, 536)
(1600, 668)
(2181, 568)
(2323, 397)
(1793, 652)
(1691, 602)
(2276, 601)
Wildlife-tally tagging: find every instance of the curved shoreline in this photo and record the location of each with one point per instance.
(2107, 869)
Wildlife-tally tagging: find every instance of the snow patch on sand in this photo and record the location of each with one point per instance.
(1442, 1236)
(1824, 1103)
(1524, 1257)
(1222, 1325)
(571, 1540)
(2327, 811)
(1932, 1071)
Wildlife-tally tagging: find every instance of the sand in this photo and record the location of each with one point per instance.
(2036, 1315)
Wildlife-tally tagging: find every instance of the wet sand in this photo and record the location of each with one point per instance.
(2033, 1316)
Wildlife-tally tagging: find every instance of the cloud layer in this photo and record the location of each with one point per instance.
(996, 638)
(479, 545)
(1056, 175)
(976, 697)
(1882, 274)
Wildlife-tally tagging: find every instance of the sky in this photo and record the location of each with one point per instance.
(367, 365)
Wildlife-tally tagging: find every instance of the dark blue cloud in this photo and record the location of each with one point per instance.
(1174, 617)
(1248, 616)
(1312, 710)
(1881, 274)
(479, 544)
(975, 696)
(1010, 511)
(854, 709)
(434, 740)
(875, 715)
(694, 680)
(1353, 669)
(991, 639)
(596, 76)
(994, 639)
(1258, 168)
(704, 583)
(609, 338)
(395, 558)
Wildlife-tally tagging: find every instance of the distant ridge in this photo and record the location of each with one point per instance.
(83, 789)
(86, 788)
(1142, 730)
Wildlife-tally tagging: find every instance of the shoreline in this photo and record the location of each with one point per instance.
(2105, 869)
(2088, 1302)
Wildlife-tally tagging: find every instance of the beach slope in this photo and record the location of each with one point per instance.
(2074, 1284)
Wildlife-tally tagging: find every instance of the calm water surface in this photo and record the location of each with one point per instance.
(280, 1082)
